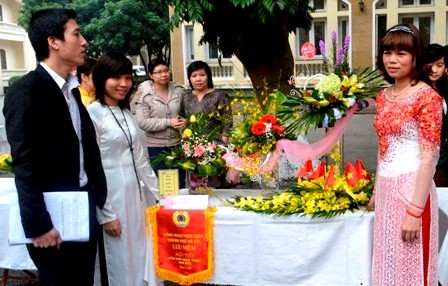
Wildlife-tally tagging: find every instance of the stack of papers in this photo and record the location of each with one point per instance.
(69, 212)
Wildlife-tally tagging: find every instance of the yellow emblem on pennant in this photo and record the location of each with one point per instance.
(181, 218)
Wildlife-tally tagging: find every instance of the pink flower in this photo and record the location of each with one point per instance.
(211, 146)
(185, 147)
(198, 151)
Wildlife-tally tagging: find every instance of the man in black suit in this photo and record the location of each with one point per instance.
(54, 148)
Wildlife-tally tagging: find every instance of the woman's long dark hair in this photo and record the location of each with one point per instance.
(433, 53)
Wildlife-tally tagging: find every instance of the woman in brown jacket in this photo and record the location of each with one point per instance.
(157, 112)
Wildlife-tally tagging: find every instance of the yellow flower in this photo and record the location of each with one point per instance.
(5, 162)
(349, 82)
(324, 103)
(187, 133)
(193, 119)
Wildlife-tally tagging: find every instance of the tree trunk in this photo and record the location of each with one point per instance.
(269, 63)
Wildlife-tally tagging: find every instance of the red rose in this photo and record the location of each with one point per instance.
(258, 128)
(268, 118)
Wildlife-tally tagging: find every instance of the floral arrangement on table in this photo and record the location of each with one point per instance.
(197, 152)
(5, 163)
(255, 138)
(260, 129)
(337, 91)
(318, 193)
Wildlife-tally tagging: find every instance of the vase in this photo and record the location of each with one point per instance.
(268, 177)
(197, 185)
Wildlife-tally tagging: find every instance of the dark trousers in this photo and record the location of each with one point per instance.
(154, 151)
(73, 264)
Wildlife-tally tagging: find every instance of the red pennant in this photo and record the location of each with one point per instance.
(319, 172)
(330, 178)
(362, 171)
(351, 174)
(306, 169)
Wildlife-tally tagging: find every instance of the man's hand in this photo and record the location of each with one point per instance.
(51, 238)
(112, 228)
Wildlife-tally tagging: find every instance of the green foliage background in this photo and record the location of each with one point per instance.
(122, 25)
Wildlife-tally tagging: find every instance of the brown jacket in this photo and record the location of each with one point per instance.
(153, 115)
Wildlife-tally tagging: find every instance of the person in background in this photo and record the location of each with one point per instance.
(54, 148)
(86, 88)
(132, 184)
(408, 123)
(204, 98)
(157, 112)
(436, 67)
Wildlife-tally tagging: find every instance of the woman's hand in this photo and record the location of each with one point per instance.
(410, 229)
(371, 205)
(113, 228)
(177, 122)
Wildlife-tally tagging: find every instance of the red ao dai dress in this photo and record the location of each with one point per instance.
(409, 135)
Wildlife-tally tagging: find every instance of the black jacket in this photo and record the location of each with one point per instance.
(45, 147)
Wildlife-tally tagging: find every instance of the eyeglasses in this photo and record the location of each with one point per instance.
(401, 28)
(162, 72)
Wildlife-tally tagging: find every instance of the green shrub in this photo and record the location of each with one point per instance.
(13, 79)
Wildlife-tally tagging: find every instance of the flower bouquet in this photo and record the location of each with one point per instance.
(254, 140)
(197, 152)
(337, 91)
(5, 163)
(318, 192)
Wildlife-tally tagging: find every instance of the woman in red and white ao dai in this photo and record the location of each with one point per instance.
(407, 129)
(408, 124)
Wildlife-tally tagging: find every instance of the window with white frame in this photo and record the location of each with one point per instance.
(381, 4)
(381, 28)
(3, 59)
(342, 6)
(319, 5)
(416, 3)
(213, 53)
(189, 43)
(316, 33)
(342, 30)
(423, 22)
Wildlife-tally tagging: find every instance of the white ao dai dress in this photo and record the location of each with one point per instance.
(409, 138)
(126, 255)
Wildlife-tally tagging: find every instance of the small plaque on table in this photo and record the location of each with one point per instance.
(168, 182)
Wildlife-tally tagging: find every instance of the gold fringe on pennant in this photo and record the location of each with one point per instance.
(151, 217)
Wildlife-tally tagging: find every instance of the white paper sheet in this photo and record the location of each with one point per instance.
(69, 212)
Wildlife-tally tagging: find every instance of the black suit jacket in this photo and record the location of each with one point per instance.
(45, 148)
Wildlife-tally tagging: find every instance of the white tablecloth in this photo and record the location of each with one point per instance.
(253, 249)
(11, 257)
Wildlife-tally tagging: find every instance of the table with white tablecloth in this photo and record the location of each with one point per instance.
(253, 249)
(11, 257)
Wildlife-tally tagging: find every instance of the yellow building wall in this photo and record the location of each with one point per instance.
(361, 28)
